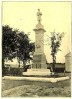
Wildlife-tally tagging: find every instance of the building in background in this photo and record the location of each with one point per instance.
(68, 62)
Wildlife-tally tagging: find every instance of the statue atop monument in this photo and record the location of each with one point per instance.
(39, 25)
(39, 14)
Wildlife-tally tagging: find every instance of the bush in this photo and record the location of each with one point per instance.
(5, 71)
(15, 72)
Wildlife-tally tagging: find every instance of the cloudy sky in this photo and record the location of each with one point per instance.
(56, 16)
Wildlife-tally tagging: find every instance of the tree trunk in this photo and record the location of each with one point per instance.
(53, 64)
(3, 67)
(24, 64)
(19, 62)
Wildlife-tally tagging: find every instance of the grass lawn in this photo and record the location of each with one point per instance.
(26, 88)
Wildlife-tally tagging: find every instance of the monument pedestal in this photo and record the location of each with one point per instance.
(39, 61)
(39, 67)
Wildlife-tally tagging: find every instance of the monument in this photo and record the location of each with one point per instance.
(39, 59)
(39, 66)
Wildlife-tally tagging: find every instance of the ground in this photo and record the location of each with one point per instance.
(26, 88)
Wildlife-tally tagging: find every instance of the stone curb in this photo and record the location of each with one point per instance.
(53, 80)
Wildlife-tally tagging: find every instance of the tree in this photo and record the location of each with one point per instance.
(24, 47)
(8, 44)
(56, 39)
(32, 47)
(15, 44)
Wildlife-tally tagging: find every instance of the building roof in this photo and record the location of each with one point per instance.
(67, 55)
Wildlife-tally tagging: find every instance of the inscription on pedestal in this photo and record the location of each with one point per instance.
(37, 58)
(39, 61)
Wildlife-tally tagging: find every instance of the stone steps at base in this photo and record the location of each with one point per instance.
(37, 72)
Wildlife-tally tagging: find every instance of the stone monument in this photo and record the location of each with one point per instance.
(39, 66)
(39, 59)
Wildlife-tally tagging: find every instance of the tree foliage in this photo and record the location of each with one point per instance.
(8, 41)
(24, 47)
(56, 39)
(8, 44)
(15, 44)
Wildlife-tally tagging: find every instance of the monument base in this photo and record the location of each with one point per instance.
(39, 61)
(39, 67)
(37, 72)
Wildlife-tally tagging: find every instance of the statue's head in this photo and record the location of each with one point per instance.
(38, 9)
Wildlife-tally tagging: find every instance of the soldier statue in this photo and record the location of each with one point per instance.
(39, 14)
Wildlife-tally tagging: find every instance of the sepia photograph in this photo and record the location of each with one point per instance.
(36, 49)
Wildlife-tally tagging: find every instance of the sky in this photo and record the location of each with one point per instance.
(56, 16)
